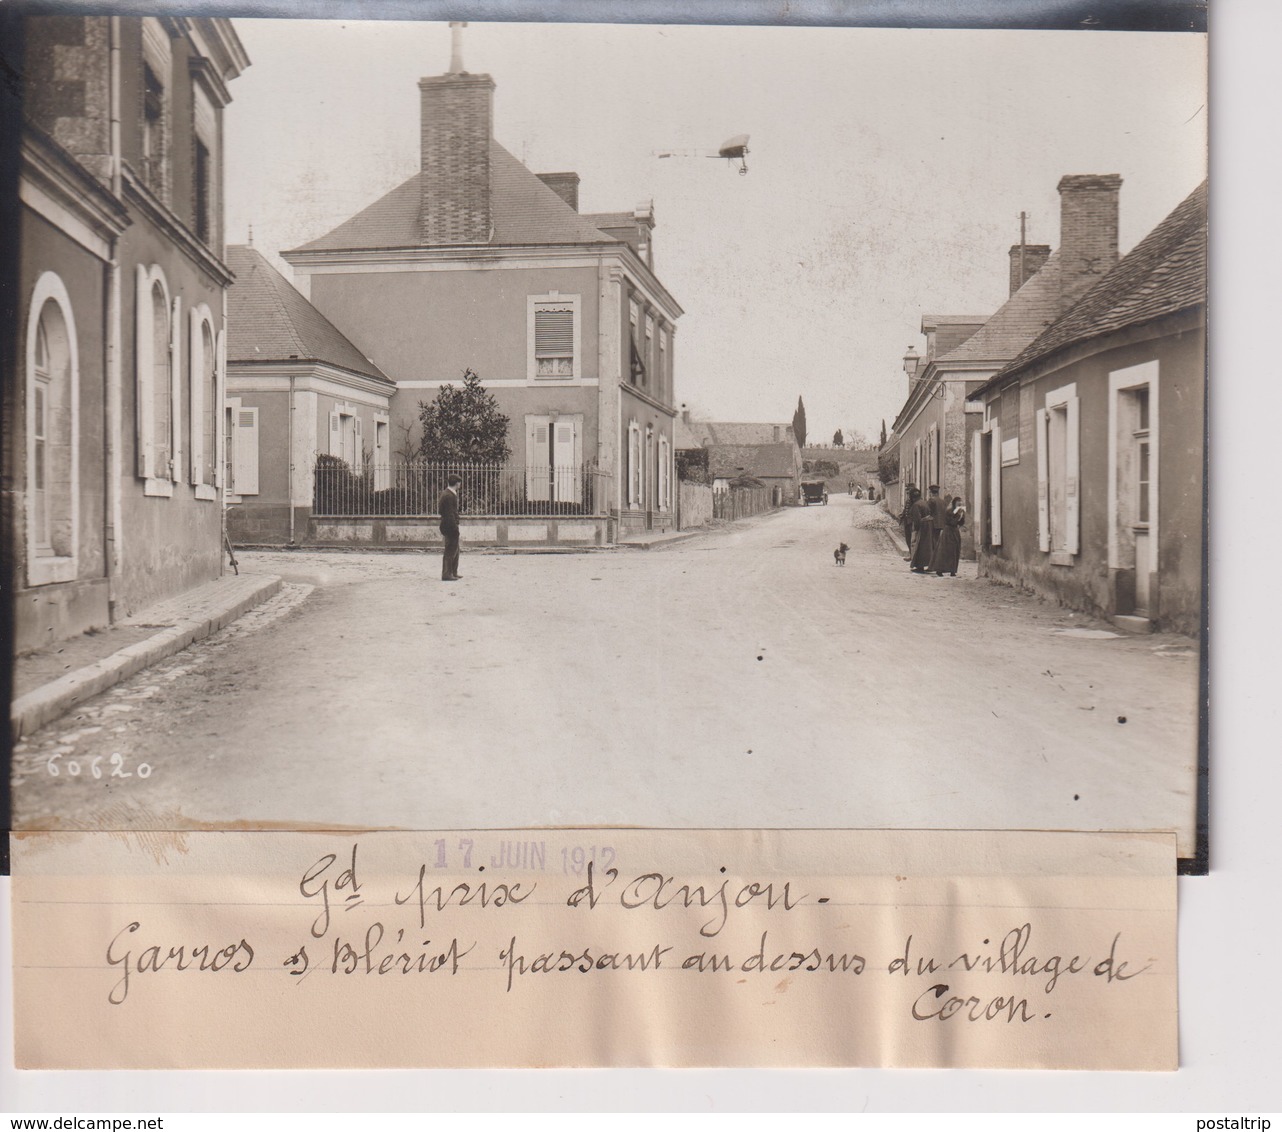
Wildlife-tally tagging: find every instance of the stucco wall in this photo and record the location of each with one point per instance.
(433, 325)
(1086, 583)
(169, 544)
(57, 610)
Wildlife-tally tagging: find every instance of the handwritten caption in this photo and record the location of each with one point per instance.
(351, 928)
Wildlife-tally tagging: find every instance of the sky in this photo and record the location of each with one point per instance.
(887, 168)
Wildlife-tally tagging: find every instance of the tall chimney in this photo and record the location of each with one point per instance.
(565, 185)
(457, 124)
(1026, 260)
(1087, 232)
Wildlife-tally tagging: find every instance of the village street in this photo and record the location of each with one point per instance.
(737, 678)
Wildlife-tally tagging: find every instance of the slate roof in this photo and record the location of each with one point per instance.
(524, 211)
(761, 461)
(269, 320)
(702, 433)
(1163, 274)
(1023, 316)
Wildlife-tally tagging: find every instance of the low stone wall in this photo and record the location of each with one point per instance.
(695, 505)
(395, 531)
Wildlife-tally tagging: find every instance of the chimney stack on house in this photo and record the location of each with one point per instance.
(457, 125)
(565, 185)
(1024, 266)
(1087, 232)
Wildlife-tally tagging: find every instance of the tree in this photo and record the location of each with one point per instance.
(799, 424)
(883, 433)
(837, 442)
(463, 424)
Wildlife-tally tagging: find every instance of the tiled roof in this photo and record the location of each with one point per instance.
(737, 432)
(268, 320)
(727, 461)
(1017, 322)
(684, 435)
(524, 211)
(1164, 273)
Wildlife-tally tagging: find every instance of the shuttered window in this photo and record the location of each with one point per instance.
(554, 335)
(554, 342)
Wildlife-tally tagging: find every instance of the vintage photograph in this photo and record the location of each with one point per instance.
(498, 425)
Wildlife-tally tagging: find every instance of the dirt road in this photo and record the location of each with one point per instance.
(738, 678)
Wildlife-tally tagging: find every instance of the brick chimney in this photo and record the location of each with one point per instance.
(565, 185)
(1087, 232)
(457, 124)
(1022, 269)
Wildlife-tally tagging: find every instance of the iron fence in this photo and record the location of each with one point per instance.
(497, 490)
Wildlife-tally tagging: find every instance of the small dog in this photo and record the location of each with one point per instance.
(839, 555)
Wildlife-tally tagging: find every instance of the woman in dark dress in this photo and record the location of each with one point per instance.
(923, 536)
(948, 541)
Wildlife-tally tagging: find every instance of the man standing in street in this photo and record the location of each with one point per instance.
(448, 507)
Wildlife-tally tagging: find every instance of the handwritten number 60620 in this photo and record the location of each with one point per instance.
(74, 768)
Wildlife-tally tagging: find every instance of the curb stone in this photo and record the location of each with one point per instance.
(32, 711)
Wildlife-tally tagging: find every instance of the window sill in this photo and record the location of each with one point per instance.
(1061, 558)
(163, 489)
(47, 571)
(204, 491)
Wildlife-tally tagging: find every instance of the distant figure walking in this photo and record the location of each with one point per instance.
(948, 539)
(448, 508)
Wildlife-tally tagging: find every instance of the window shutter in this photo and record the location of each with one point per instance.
(196, 397)
(536, 459)
(246, 453)
(220, 394)
(1072, 477)
(554, 333)
(335, 435)
(142, 372)
(995, 487)
(1043, 482)
(569, 488)
(175, 391)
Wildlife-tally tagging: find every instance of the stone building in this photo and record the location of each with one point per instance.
(116, 425)
(477, 263)
(936, 429)
(296, 388)
(1090, 457)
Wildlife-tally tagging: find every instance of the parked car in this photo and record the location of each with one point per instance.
(813, 491)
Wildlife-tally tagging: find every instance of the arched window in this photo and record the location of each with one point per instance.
(160, 429)
(52, 435)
